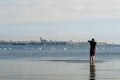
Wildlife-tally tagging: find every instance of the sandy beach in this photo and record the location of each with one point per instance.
(59, 70)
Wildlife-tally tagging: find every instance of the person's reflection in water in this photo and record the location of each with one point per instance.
(92, 71)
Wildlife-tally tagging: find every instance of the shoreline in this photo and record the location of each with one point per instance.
(59, 70)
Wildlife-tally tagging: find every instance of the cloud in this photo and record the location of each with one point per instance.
(26, 11)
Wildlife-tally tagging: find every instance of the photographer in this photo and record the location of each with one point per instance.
(92, 49)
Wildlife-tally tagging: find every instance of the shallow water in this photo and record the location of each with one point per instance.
(50, 70)
(58, 62)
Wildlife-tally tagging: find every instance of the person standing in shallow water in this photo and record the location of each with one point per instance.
(92, 49)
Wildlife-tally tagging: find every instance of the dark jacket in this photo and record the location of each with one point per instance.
(92, 45)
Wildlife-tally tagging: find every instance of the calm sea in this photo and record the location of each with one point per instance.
(58, 62)
(58, 52)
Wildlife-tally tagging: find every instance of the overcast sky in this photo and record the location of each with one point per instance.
(77, 20)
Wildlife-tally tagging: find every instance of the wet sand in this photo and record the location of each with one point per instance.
(59, 70)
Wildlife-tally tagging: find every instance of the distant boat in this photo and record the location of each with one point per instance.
(19, 44)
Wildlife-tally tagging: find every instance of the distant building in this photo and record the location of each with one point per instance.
(101, 43)
(46, 42)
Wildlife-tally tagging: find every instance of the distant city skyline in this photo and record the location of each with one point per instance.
(77, 20)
